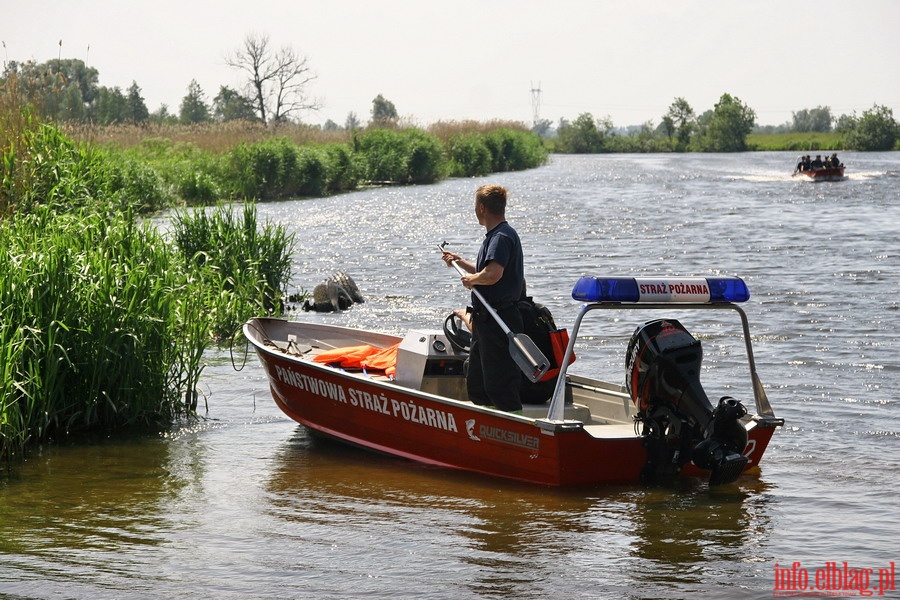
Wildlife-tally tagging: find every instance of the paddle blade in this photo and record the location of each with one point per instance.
(528, 356)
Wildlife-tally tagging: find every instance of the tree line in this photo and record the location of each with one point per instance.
(275, 90)
(724, 128)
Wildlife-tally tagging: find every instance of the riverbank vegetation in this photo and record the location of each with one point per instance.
(106, 318)
(202, 164)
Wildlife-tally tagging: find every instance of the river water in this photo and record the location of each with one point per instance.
(245, 504)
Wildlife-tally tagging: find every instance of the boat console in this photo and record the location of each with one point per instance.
(427, 361)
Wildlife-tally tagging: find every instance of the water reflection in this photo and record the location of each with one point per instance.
(87, 514)
(507, 534)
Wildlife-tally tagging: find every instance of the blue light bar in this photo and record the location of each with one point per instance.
(661, 289)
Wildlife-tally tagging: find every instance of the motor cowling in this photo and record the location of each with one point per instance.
(662, 366)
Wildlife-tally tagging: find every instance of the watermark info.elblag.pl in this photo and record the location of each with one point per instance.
(833, 580)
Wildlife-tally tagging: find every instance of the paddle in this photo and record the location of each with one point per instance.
(524, 352)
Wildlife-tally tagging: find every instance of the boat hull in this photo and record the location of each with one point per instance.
(829, 174)
(380, 415)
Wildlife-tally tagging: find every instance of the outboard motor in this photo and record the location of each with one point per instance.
(662, 367)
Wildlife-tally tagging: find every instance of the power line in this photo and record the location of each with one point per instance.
(536, 102)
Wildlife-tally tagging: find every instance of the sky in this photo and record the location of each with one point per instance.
(457, 60)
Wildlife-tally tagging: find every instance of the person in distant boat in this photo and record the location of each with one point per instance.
(799, 166)
(834, 160)
(817, 164)
(498, 274)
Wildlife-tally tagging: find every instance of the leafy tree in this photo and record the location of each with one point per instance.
(351, 123)
(682, 118)
(875, 130)
(56, 86)
(193, 107)
(667, 127)
(845, 124)
(277, 81)
(137, 110)
(584, 135)
(542, 127)
(645, 134)
(112, 106)
(230, 105)
(814, 119)
(162, 116)
(384, 113)
(330, 126)
(727, 127)
(73, 107)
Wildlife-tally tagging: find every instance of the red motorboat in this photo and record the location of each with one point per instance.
(823, 174)
(659, 425)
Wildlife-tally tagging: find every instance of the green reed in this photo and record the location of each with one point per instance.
(103, 320)
(99, 332)
(242, 268)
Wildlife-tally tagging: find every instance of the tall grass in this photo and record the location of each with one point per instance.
(97, 330)
(40, 166)
(103, 321)
(15, 121)
(241, 268)
(800, 142)
(216, 138)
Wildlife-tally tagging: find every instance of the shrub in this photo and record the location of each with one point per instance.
(383, 155)
(196, 187)
(469, 155)
(402, 156)
(312, 173)
(279, 169)
(346, 167)
(514, 150)
(426, 162)
(137, 185)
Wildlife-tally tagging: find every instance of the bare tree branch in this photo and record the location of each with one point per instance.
(276, 81)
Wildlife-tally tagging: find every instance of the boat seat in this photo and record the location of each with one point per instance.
(573, 412)
(611, 430)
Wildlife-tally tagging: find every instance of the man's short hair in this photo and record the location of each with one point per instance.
(493, 197)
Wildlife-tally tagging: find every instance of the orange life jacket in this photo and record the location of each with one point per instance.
(384, 360)
(349, 357)
(365, 356)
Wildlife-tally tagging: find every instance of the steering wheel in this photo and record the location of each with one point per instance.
(457, 333)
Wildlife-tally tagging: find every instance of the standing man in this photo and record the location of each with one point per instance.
(499, 275)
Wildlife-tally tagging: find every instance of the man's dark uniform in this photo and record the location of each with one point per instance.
(494, 378)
